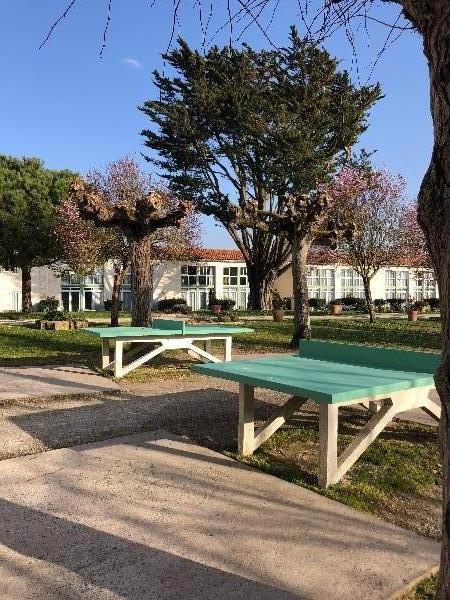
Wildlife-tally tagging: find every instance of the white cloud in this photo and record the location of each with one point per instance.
(132, 62)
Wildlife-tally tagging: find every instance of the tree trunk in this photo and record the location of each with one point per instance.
(302, 325)
(119, 274)
(140, 282)
(26, 290)
(368, 297)
(433, 21)
(260, 287)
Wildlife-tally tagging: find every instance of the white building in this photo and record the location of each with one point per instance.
(221, 273)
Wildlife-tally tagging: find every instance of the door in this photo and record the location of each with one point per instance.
(16, 301)
(191, 299)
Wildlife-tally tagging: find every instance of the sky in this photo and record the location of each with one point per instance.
(75, 109)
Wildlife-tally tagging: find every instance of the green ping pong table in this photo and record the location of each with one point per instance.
(385, 381)
(165, 334)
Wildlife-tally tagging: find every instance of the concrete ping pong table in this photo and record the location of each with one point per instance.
(165, 334)
(385, 381)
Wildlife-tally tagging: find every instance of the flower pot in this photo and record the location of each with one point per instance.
(278, 315)
(413, 315)
(216, 308)
(336, 309)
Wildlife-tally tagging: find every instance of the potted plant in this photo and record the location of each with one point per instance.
(420, 306)
(278, 304)
(336, 306)
(412, 310)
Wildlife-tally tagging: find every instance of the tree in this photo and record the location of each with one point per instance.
(122, 197)
(29, 196)
(242, 133)
(85, 247)
(373, 201)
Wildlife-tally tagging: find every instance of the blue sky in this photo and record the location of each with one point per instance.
(76, 110)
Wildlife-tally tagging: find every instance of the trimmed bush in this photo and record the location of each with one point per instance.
(180, 308)
(396, 304)
(317, 303)
(434, 303)
(168, 304)
(225, 303)
(48, 305)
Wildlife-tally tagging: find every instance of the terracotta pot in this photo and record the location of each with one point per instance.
(413, 315)
(278, 315)
(216, 308)
(336, 309)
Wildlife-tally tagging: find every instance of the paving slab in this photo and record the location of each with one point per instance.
(52, 380)
(152, 516)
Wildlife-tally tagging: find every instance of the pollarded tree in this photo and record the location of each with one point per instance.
(85, 247)
(239, 131)
(374, 202)
(122, 198)
(29, 196)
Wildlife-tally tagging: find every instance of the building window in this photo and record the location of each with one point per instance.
(352, 284)
(321, 283)
(397, 284)
(81, 293)
(235, 286)
(235, 276)
(425, 285)
(197, 276)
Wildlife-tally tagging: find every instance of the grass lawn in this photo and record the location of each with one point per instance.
(426, 590)
(26, 346)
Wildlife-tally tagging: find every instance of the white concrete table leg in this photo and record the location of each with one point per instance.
(246, 432)
(227, 350)
(118, 359)
(105, 353)
(328, 434)
(208, 346)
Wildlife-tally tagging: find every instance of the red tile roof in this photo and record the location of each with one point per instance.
(219, 254)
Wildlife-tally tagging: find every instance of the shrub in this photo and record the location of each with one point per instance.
(419, 304)
(434, 303)
(336, 302)
(179, 308)
(317, 303)
(107, 304)
(55, 315)
(168, 304)
(48, 305)
(396, 304)
(225, 303)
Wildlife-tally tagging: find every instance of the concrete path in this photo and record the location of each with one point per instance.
(151, 517)
(53, 380)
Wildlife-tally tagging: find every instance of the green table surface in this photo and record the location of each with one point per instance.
(322, 381)
(190, 330)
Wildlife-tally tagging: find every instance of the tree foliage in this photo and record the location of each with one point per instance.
(151, 221)
(29, 196)
(374, 202)
(239, 131)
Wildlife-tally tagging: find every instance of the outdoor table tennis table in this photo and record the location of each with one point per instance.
(385, 381)
(165, 334)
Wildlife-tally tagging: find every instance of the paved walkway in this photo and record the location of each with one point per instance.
(53, 380)
(151, 517)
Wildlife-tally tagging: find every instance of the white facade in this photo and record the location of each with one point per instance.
(196, 281)
(330, 282)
